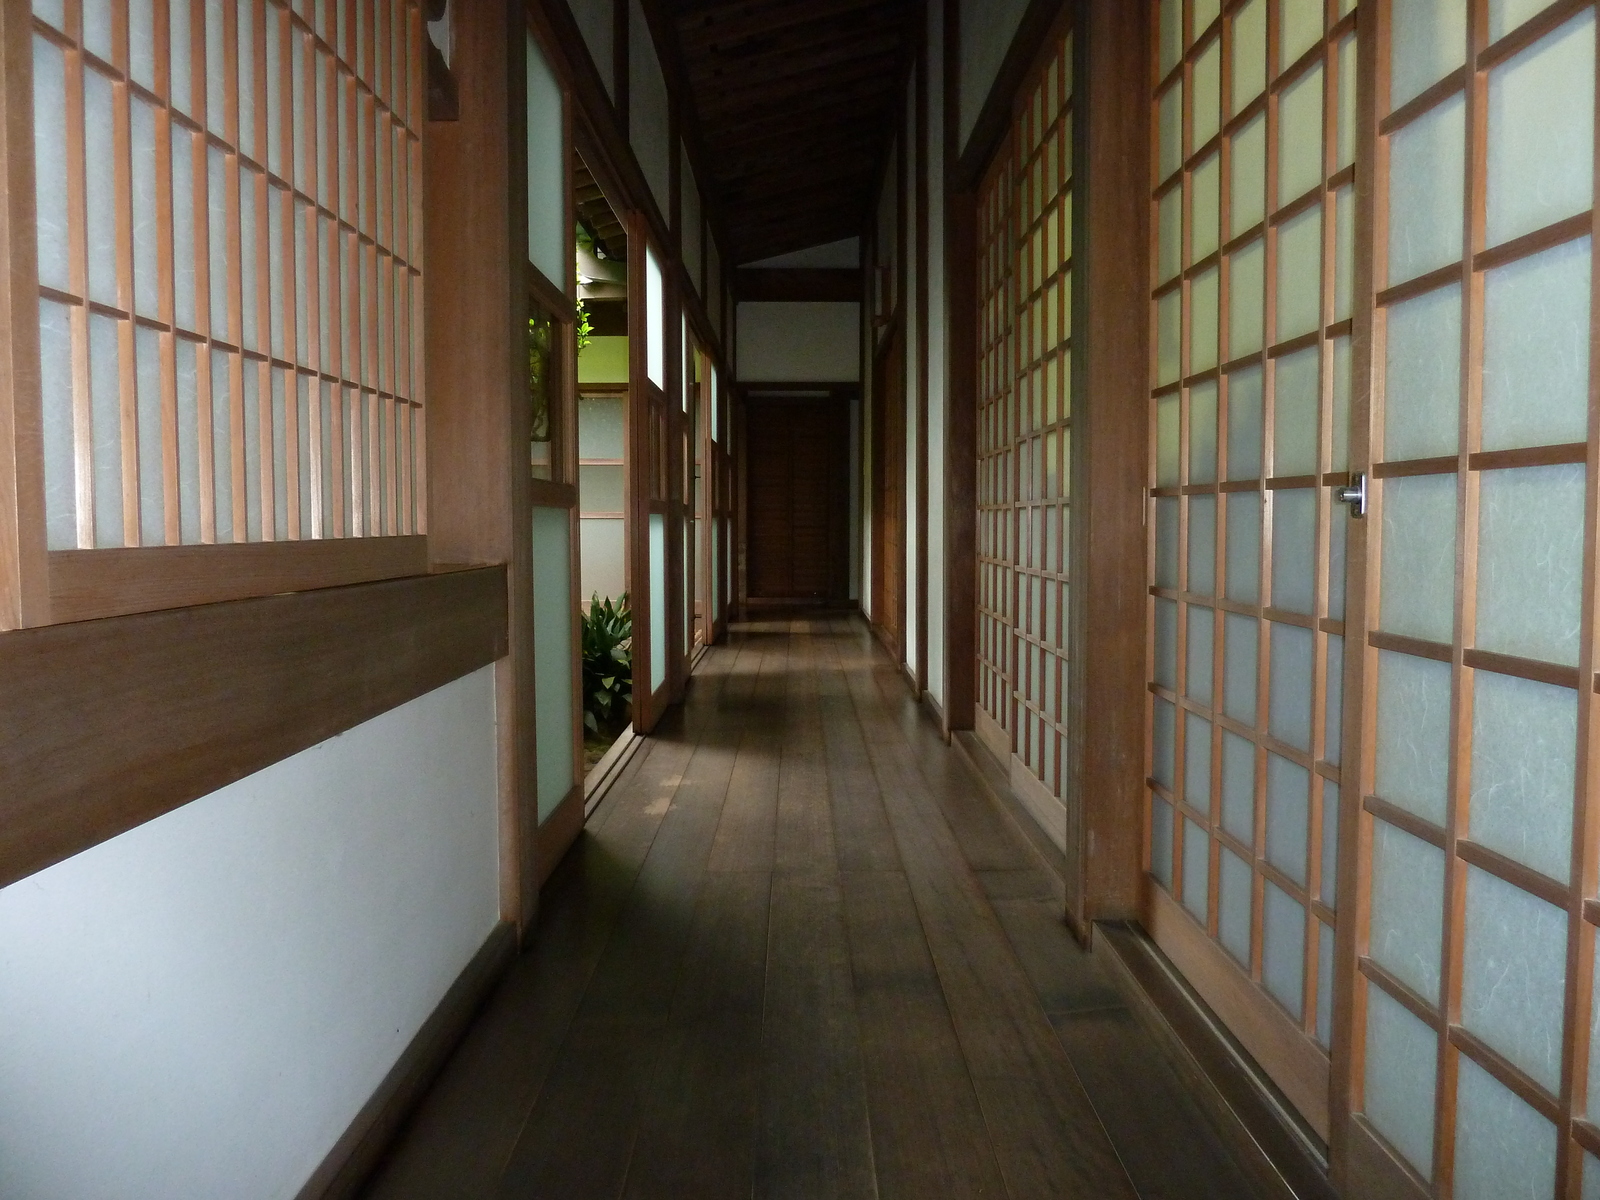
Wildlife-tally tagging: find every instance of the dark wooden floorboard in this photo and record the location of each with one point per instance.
(698, 1119)
(1156, 1126)
(815, 1140)
(632, 988)
(803, 837)
(1044, 1131)
(460, 1139)
(799, 953)
(928, 1131)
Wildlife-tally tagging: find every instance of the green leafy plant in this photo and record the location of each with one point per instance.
(585, 328)
(607, 663)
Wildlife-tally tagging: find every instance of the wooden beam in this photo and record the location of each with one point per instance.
(90, 584)
(229, 689)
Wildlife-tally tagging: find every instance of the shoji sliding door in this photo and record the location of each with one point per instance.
(1025, 443)
(230, 290)
(1473, 1005)
(1431, 342)
(1254, 147)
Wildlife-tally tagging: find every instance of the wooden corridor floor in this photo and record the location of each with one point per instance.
(800, 953)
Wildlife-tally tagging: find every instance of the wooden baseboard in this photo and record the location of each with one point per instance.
(556, 835)
(354, 1156)
(993, 777)
(995, 739)
(1278, 1151)
(935, 712)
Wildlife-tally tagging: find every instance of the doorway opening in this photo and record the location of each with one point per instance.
(604, 527)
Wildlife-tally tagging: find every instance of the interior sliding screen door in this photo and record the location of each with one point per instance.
(1381, 276)
(1025, 444)
(1254, 148)
(1473, 1006)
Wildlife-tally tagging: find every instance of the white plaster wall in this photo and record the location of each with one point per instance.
(844, 254)
(987, 30)
(913, 374)
(596, 23)
(198, 1008)
(791, 342)
(647, 109)
(938, 363)
(547, 180)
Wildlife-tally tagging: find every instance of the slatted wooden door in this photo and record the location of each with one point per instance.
(797, 483)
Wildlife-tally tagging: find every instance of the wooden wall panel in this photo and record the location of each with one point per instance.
(107, 724)
(104, 583)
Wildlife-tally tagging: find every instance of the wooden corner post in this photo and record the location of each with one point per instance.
(1111, 242)
(479, 417)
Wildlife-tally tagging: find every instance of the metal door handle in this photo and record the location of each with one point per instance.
(1355, 495)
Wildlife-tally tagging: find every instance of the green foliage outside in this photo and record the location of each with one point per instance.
(585, 329)
(607, 664)
(539, 333)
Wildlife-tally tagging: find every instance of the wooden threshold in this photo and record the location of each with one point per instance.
(1297, 1066)
(605, 773)
(995, 780)
(358, 1151)
(1282, 1154)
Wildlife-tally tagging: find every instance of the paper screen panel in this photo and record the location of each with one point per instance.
(1025, 426)
(237, 192)
(1243, 362)
(1482, 645)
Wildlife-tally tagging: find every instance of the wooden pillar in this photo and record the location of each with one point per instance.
(478, 416)
(1111, 290)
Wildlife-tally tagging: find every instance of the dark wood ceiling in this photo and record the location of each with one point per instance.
(596, 212)
(796, 103)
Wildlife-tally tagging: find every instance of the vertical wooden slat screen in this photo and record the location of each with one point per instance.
(230, 270)
(1025, 429)
(1253, 204)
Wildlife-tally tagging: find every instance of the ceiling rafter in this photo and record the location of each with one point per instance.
(792, 99)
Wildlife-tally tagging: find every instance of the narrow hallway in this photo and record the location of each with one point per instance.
(800, 952)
